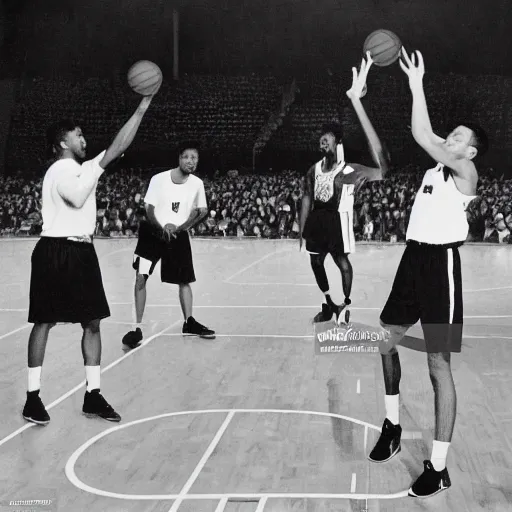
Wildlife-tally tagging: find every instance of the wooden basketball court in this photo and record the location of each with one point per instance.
(252, 421)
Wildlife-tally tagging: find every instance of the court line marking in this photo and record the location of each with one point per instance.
(489, 289)
(81, 385)
(238, 306)
(72, 477)
(254, 263)
(222, 505)
(353, 483)
(261, 504)
(201, 464)
(294, 336)
(26, 326)
(273, 284)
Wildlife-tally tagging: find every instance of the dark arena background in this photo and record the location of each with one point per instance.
(254, 420)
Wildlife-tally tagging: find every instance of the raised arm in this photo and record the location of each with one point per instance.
(126, 134)
(307, 199)
(379, 155)
(420, 120)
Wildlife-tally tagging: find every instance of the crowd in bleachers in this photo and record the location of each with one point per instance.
(265, 206)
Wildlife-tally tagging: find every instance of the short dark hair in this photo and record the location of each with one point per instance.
(335, 128)
(480, 141)
(56, 133)
(187, 144)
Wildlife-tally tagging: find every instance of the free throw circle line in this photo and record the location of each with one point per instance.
(72, 477)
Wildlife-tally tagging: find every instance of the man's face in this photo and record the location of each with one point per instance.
(328, 144)
(189, 160)
(75, 142)
(459, 143)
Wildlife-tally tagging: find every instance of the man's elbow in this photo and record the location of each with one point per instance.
(423, 136)
(202, 212)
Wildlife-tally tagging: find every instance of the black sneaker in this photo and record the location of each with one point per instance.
(339, 309)
(34, 409)
(96, 405)
(133, 338)
(430, 482)
(193, 328)
(388, 444)
(325, 315)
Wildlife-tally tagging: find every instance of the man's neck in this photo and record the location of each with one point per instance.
(329, 162)
(178, 176)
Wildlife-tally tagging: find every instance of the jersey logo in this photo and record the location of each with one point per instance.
(175, 207)
(427, 189)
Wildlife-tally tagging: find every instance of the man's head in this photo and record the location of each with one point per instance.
(65, 139)
(467, 140)
(331, 136)
(188, 157)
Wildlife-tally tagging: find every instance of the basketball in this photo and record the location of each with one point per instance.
(384, 47)
(145, 77)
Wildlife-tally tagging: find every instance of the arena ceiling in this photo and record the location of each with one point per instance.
(243, 36)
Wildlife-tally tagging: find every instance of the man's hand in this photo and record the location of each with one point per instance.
(169, 232)
(358, 89)
(413, 67)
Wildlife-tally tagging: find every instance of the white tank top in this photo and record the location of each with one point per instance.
(438, 214)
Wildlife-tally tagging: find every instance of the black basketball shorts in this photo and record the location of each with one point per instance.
(177, 266)
(65, 283)
(428, 287)
(322, 232)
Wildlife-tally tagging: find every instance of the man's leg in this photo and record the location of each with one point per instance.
(34, 409)
(445, 405)
(435, 477)
(143, 268)
(191, 327)
(140, 296)
(388, 444)
(347, 274)
(186, 300)
(318, 267)
(94, 403)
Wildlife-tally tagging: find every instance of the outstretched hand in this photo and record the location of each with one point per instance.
(358, 88)
(413, 66)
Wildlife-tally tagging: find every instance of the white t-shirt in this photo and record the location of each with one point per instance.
(438, 215)
(60, 219)
(174, 202)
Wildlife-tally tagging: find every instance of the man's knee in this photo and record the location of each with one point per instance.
(438, 364)
(317, 260)
(140, 281)
(43, 327)
(92, 326)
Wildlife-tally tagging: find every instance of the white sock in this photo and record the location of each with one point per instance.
(92, 375)
(439, 453)
(34, 378)
(135, 325)
(392, 404)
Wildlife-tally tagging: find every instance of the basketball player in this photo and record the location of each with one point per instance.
(175, 202)
(66, 284)
(327, 209)
(428, 283)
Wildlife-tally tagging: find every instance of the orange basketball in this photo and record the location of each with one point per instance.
(384, 47)
(145, 77)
